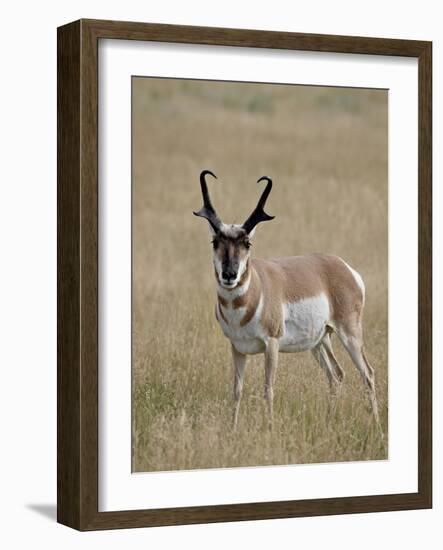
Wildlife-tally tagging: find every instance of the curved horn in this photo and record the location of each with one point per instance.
(259, 215)
(208, 211)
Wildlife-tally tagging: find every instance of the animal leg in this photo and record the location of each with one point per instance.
(271, 361)
(353, 342)
(321, 356)
(239, 371)
(339, 372)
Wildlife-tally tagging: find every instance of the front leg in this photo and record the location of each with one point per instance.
(271, 361)
(239, 370)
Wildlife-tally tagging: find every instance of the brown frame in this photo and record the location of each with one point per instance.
(77, 428)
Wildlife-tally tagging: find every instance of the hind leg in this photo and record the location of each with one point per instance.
(339, 372)
(322, 357)
(351, 338)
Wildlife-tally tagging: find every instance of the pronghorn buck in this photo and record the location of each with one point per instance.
(289, 304)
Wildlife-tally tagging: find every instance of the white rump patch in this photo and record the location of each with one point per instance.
(358, 278)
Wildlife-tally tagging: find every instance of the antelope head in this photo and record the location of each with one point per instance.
(231, 242)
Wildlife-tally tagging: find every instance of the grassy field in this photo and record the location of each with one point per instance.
(326, 150)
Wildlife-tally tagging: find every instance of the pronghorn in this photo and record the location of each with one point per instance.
(289, 304)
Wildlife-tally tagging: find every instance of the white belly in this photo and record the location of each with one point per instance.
(304, 323)
(304, 326)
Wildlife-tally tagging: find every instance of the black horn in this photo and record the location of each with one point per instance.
(259, 215)
(208, 211)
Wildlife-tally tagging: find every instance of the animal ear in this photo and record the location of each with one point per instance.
(251, 233)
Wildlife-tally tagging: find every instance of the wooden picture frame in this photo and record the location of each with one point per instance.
(77, 456)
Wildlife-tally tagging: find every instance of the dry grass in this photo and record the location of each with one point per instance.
(326, 150)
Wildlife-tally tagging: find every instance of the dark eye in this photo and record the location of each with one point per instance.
(215, 243)
(247, 244)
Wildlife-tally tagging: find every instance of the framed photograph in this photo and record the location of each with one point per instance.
(244, 274)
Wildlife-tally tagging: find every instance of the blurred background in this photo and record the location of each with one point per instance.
(326, 150)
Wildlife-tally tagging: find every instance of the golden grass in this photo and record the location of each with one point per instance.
(326, 150)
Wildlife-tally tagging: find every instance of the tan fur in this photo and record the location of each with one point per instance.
(287, 280)
(240, 301)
